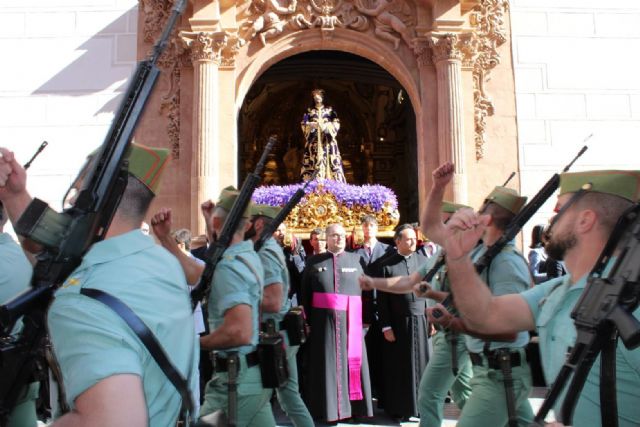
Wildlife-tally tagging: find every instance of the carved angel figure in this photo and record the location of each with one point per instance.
(388, 25)
(269, 24)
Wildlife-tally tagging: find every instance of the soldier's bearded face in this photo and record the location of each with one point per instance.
(561, 237)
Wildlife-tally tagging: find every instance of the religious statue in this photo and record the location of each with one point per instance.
(320, 126)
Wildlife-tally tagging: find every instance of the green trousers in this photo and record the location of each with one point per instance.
(487, 405)
(289, 394)
(438, 379)
(253, 401)
(24, 413)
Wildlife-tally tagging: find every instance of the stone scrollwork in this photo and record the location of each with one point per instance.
(155, 14)
(422, 51)
(445, 47)
(489, 34)
(205, 46)
(392, 20)
(173, 60)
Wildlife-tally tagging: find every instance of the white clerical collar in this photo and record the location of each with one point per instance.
(406, 256)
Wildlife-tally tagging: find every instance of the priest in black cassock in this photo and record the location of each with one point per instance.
(404, 327)
(336, 383)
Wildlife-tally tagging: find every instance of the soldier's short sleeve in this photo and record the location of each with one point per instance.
(233, 284)
(508, 274)
(534, 296)
(91, 343)
(273, 268)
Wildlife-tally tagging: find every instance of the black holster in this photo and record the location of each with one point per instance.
(273, 357)
(504, 358)
(295, 325)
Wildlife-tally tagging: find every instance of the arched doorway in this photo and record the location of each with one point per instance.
(377, 138)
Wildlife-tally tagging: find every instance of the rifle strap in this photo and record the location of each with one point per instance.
(54, 368)
(608, 398)
(151, 343)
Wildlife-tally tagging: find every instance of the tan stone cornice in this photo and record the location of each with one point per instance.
(205, 45)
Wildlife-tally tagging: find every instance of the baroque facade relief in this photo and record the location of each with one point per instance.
(419, 47)
(392, 20)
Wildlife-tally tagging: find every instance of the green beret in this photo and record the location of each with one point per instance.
(147, 164)
(450, 207)
(507, 198)
(621, 183)
(228, 197)
(265, 210)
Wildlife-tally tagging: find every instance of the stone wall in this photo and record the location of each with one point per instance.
(576, 74)
(65, 63)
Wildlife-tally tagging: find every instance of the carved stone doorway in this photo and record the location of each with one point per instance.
(377, 138)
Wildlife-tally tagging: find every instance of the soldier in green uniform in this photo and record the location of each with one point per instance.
(275, 304)
(108, 375)
(493, 400)
(449, 366)
(577, 236)
(15, 277)
(233, 308)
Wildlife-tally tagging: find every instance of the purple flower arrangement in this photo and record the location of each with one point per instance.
(349, 195)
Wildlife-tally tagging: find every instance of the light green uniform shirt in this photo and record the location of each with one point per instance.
(235, 283)
(15, 269)
(91, 342)
(551, 304)
(508, 273)
(15, 277)
(275, 271)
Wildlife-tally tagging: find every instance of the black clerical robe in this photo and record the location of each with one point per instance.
(336, 383)
(406, 358)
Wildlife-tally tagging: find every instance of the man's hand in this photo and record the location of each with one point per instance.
(443, 175)
(422, 289)
(463, 231)
(389, 335)
(161, 223)
(207, 209)
(443, 319)
(366, 282)
(13, 178)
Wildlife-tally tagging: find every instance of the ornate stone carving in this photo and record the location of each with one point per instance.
(175, 57)
(445, 47)
(489, 34)
(205, 46)
(230, 51)
(422, 50)
(269, 21)
(155, 14)
(391, 21)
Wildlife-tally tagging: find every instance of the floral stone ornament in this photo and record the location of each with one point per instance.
(328, 202)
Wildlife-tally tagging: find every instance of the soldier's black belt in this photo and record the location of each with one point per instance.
(222, 366)
(494, 362)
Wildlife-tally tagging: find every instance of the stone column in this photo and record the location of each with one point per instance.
(205, 55)
(448, 61)
(426, 119)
